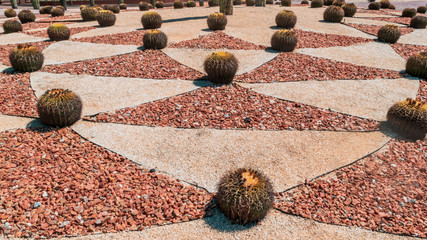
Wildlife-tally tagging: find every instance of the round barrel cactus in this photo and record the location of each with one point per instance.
(418, 22)
(59, 107)
(57, 12)
(123, 6)
(316, 4)
(217, 21)
(221, 67)
(285, 3)
(304, 2)
(374, 6)
(349, 9)
(143, 6)
(245, 195)
(421, 9)
(89, 13)
(154, 39)
(151, 20)
(237, 2)
(11, 26)
(159, 4)
(384, 4)
(215, 3)
(409, 118)
(389, 33)
(45, 9)
(417, 65)
(191, 4)
(286, 19)
(333, 14)
(409, 12)
(106, 18)
(178, 5)
(9, 13)
(284, 41)
(392, 6)
(328, 2)
(82, 6)
(26, 16)
(26, 58)
(269, 2)
(58, 32)
(250, 3)
(113, 8)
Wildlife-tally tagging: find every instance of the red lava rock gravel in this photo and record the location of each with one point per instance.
(56, 183)
(373, 29)
(5, 50)
(383, 192)
(129, 38)
(422, 91)
(152, 64)
(389, 12)
(407, 50)
(287, 67)
(307, 39)
(16, 96)
(43, 33)
(400, 20)
(235, 107)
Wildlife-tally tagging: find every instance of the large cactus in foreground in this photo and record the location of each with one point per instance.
(226, 7)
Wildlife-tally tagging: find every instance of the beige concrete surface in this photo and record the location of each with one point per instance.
(11, 122)
(417, 37)
(13, 38)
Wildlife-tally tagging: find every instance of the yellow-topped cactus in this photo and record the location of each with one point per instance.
(26, 58)
(409, 118)
(417, 65)
(9, 13)
(106, 18)
(284, 40)
(221, 67)
(217, 21)
(151, 20)
(286, 19)
(58, 32)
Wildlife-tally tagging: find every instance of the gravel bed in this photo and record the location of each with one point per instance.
(422, 91)
(153, 64)
(217, 40)
(235, 107)
(43, 33)
(287, 67)
(307, 39)
(55, 183)
(383, 192)
(407, 50)
(129, 38)
(389, 12)
(5, 50)
(41, 24)
(373, 29)
(16, 96)
(400, 20)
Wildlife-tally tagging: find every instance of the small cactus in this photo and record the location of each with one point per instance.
(350, 9)
(374, 6)
(191, 4)
(245, 195)
(333, 14)
(284, 41)
(82, 6)
(286, 19)
(392, 6)
(178, 4)
(61, 7)
(269, 2)
(57, 12)
(159, 4)
(237, 2)
(150, 6)
(221, 67)
(338, 3)
(113, 8)
(417, 65)
(123, 6)
(143, 6)
(26, 58)
(418, 22)
(106, 18)
(409, 118)
(26, 16)
(45, 10)
(409, 12)
(285, 3)
(89, 13)
(328, 2)
(11, 26)
(151, 20)
(304, 2)
(316, 4)
(9, 13)
(421, 9)
(59, 107)
(250, 3)
(58, 32)
(389, 33)
(154, 39)
(217, 21)
(215, 3)
(384, 3)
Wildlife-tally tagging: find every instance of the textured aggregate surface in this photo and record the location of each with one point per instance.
(16, 96)
(400, 20)
(129, 38)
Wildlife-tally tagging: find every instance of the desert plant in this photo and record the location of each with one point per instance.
(89, 13)
(409, 12)
(237, 2)
(154, 39)
(123, 6)
(418, 22)
(250, 3)
(26, 58)
(259, 3)
(286, 19)
(328, 2)
(384, 3)
(61, 7)
(143, 6)
(9, 13)
(82, 6)
(57, 12)
(245, 195)
(221, 67)
(151, 20)
(284, 41)
(114, 8)
(191, 4)
(392, 6)
(159, 4)
(421, 9)
(106, 18)
(26, 16)
(45, 10)
(304, 2)
(59, 107)
(349, 9)
(374, 6)
(35, 3)
(338, 3)
(316, 4)
(14, 4)
(333, 14)
(217, 21)
(226, 7)
(417, 65)
(409, 118)
(285, 3)
(150, 6)
(201, 3)
(11, 26)
(58, 32)
(214, 3)
(178, 5)
(389, 33)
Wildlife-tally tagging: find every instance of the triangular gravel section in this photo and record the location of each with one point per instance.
(43, 33)
(408, 50)
(59, 184)
(373, 29)
(400, 20)
(235, 107)
(422, 91)
(127, 38)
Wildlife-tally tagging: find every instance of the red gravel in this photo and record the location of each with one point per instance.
(389, 12)
(383, 192)
(57, 183)
(152, 64)
(422, 91)
(129, 38)
(287, 67)
(307, 39)
(400, 20)
(43, 33)
(373, 29)
(235, 107)
(5, 50)
(16, 96)
(37, 25)
(407, 50)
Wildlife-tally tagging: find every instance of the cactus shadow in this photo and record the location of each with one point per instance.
(9, 70)
(221, 223)
(202, 82)
(275, 27)
(37, 126)
(184, 19)
(207, 30)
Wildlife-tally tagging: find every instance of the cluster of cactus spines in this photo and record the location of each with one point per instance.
(284, 41)
(9, 13)
(392, 6)
(221, 67)
(328, 2)
(59, 107)
(333, 14)
(26, 16)
(286, 19)
(409, 118)
(159, 4)
(123, 6)
(421, 9)
(245, 195)
(143, 6)
(11, 26)
(339, 3)
(106, 18)
(384, 3)
(154, 39)
(150, 6)
(45, 10)
(250, 3)
(151, 20)
(388, 33)
(417, 65)
(418, 22)
(285, 3)
(349, 9)
(304, 2)
(178, 4)
(409, 12)
(89, 13)
(191, 4)
(374, 6)
(215, 3)
(26, 58)
(237, 2)
(217, 21)
(58, 32)
(316, 4)
(57, 12)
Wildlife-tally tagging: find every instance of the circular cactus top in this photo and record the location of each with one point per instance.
(249, 179)
(9, 10)
(221, 55)
(217, 14)
(57, 26)
(151, 13)
(413, 104)
(83, 6)
(58, 95)
(285, 32)
(154, 31)
(391, 26)
(287, 12)
(23, 49)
